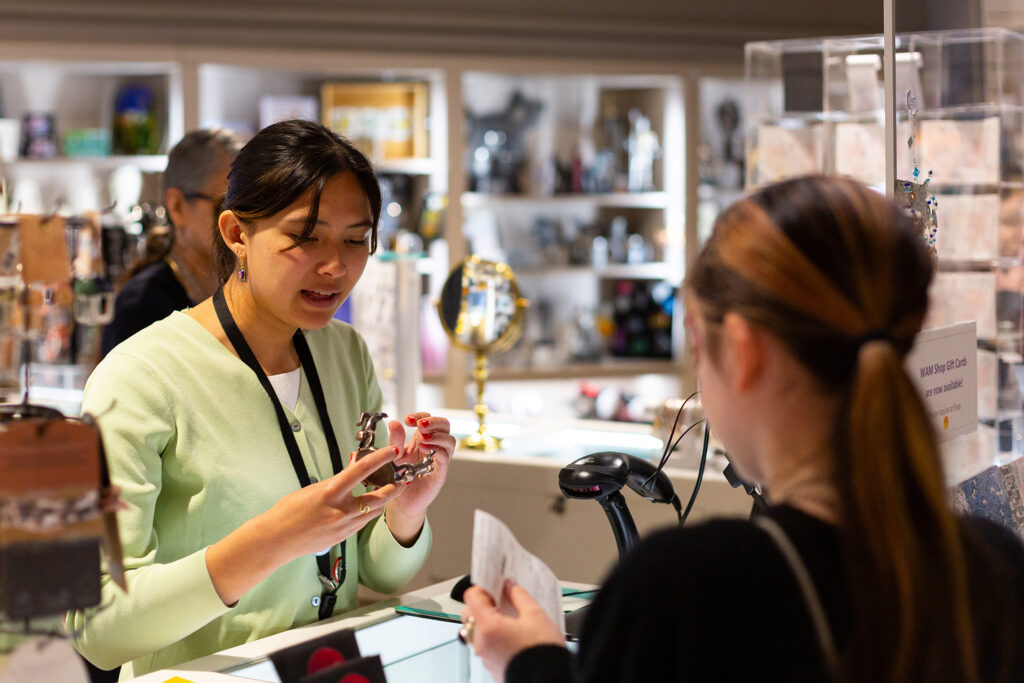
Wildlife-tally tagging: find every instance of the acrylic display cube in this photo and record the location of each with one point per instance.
(817, 106)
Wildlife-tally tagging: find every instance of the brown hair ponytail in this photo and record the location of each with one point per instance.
(840, 275)
(915, 622)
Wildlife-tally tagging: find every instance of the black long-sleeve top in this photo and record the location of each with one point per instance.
(718, 602)
(150, 295)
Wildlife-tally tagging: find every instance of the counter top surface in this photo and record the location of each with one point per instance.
(210, 668)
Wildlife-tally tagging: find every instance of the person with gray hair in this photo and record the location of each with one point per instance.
(179, 271)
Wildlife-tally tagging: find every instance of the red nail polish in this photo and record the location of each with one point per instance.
(410, 420)
(426, 435)
(424, 423)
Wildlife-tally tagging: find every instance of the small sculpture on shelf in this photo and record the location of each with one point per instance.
(643, 148)
(496, 145)
(730, 171)
(135, 125)
(39, 136)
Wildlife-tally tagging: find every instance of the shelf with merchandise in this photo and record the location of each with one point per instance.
(579, 370)
(638, 200)
(573, 370)
(386, 112)
(68, 124)
(148, 163)
(412, 167)
(722, 116)
(575, 181)
(639, 271)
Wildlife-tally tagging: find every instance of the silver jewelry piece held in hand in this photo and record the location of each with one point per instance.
(406, 473)
(466, 632)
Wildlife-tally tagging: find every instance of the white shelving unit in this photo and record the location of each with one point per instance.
(547, 233)
(624, 200)
(80, 94)
(211, 86)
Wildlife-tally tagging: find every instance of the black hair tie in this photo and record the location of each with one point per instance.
(872, 335)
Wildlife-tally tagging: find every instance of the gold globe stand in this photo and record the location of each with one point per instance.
(481, 439)
(484, 329)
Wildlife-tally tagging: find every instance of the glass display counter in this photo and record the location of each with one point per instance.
(412, 648)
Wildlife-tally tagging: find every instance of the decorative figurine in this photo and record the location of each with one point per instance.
(496, 145)
(643, 149)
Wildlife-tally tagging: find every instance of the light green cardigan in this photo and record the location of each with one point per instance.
(193, 442)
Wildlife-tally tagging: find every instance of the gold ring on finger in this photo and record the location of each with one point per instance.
(466, 632)
(363, 507)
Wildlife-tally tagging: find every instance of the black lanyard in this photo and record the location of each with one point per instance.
(331, 583)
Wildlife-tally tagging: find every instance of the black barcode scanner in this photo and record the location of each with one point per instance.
(601, 476)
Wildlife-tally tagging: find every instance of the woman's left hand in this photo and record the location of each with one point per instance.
(406, 513)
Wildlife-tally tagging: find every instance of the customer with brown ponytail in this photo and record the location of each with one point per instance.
(801, 309)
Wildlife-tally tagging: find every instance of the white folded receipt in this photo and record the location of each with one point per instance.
(497, 556)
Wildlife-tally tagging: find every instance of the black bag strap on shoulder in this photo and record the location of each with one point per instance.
(803, 578)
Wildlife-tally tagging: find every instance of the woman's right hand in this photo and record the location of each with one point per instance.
(306, 521)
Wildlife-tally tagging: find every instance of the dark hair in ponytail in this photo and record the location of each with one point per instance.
(840, 275)
(280, 164)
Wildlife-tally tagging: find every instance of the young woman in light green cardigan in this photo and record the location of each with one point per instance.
(227, 427)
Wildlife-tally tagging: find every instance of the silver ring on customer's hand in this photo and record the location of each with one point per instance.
(466, 632)
(363, 507)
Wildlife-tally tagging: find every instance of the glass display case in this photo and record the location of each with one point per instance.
(817, 106)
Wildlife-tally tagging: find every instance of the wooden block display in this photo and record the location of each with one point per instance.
(385, 120)
(50, 525)
(44, 249)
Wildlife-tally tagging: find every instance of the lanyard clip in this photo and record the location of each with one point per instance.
(330, 586)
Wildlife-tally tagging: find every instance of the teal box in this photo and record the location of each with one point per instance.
(87, 142)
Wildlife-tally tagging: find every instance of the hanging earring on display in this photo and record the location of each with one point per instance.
(241, 272)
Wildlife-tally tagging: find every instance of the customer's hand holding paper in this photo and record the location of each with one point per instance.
(497, 556)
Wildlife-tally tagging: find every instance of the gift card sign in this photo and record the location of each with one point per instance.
(944, 365)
